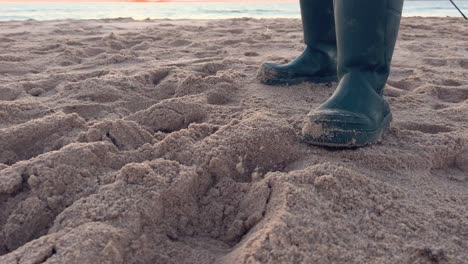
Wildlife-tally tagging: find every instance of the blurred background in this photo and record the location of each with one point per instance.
(180, 9)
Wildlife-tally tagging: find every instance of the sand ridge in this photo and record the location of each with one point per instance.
(151, 141)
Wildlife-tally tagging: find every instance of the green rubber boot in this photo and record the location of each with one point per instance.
(318, 62)
(357, 114)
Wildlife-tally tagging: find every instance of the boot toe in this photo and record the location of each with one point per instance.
(339, 128)
(292, 74)
(270, 73)
(340, 119)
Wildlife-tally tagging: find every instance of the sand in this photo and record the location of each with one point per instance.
(152, 141)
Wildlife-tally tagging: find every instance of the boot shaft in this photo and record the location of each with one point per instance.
(367, 31)
(318, 22)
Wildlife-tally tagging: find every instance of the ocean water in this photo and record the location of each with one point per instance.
(193, 10)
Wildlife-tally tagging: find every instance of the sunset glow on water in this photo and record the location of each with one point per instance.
(185, 9)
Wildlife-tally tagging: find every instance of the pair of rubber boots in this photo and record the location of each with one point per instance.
(351, 41)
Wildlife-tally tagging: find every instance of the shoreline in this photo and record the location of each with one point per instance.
(130, 19)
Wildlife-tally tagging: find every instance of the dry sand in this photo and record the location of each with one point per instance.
(152, 142)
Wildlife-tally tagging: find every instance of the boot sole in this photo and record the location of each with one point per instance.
(350, 138)
(295, 81)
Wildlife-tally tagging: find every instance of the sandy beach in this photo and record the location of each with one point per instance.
(125, 141)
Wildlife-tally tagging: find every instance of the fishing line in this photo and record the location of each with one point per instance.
(451, 1)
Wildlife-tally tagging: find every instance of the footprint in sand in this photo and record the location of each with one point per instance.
(404, 84)
(461, 162)
(152, 78)
(398, 74)
(36, 91)
(44, 191)
(86, 110)
(38, 136)
(6, 40)
(93, 51)
(393, 92)
(19, 69)
(210, 68)
(455, 168)
(440, 106)
(125, 135)
(195, 84)
(435, 62)
(141, 46)
(208, 53)
(451, 82)
(169, 116)
(231, 42)
(463, 63)
(180, 43)
(452, 95)
(251, 54)
(16, 34)
(9, 93)
(426, 128)
(166, 25)
(231, 30)
(13, 58)
(51, 47)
